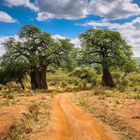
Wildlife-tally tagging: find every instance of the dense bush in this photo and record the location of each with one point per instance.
(86, 75)
(9, 74)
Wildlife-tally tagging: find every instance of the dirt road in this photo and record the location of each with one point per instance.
(69, 122)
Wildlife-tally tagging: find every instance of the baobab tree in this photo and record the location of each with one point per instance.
(106, 48)
(39, 51)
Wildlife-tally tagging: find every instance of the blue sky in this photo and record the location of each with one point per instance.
(68, 18)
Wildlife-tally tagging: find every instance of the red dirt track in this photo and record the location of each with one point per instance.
(69, 122)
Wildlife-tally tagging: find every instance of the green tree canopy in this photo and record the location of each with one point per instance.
(106, 48)
(13, 72)
(38, 50)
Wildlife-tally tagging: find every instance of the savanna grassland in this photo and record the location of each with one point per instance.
(29, 112)
(50, 90)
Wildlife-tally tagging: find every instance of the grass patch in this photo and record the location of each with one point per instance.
(137, 97)
(7, 103)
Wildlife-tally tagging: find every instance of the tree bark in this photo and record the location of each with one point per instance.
(33, 80)
(107, 79)
(22, 85)
(41, 79)
(20, 80)
(38, 79)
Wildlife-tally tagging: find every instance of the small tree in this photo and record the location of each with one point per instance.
(14, 72)
(106, 48)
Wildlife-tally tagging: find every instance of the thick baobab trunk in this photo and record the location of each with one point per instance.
(33, 80)
(107, 78)
(38, 79)
(41, 78)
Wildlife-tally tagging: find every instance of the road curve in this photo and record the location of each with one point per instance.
(69, 122)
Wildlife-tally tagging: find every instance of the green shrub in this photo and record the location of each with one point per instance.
(136, 89)
(123, 86)
(74, 81)
(63, 84)
(137, 97)
(86, 75)
(124, 83)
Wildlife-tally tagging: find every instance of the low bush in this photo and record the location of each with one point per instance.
(137, 97)
(63, 84)
(86, 76)
(124, 82)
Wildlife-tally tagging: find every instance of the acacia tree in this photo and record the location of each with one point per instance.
(106, 48)
(39, 50)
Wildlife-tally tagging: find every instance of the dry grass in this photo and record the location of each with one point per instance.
(31, 122)
(83, 99)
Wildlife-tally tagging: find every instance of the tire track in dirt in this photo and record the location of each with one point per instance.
(69, 122)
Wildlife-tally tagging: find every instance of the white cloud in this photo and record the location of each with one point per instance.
(2, 40)
(76, 9)
(4, 17)
(66, 9)
(130, 31)
(59, 37)
(76, 42)
(43, 16)
(98, 24)
(113, 9)
(25, 3)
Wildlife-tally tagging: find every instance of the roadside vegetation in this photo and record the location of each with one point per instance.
(31, 122)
